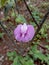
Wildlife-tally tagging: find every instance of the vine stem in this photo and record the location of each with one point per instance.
(31, 14)
(16, 6)
(11, 40)
(42, 22)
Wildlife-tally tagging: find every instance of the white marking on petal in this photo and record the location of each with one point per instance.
(24, 28)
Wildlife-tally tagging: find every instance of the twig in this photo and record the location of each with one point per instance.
(31, 14)
(16, 6)
(42, 22)
(12, 41)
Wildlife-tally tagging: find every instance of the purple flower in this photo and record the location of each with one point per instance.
(24, 33)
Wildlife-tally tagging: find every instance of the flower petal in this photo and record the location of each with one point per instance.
(29, 35)
(17, 32)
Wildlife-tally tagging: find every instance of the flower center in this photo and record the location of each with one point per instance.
(23, 29)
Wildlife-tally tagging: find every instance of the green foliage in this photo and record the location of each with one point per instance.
(19, 60)
(28, 62)
(47, 46)
(16, 61)
(45, 5)
(33, 8)
(39, 55)
(6, 2)
(20, 19)
(10, 2)
(47, 59)
(2, 2)
(35, 12)
(36, 15)
(43, 32)
(23, 61)
(36, 54)
(1, 35)
(13, 14)
(32, 23)
(11, 55)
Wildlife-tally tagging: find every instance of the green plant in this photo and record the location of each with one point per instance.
(43, 31)
(37, 54)
(47, 46)
(36, 15)
(32, 23)
(1, 35)
(10, 2)
(11, 55)
(45, 5)
(20, 19)
(2, 3)
(19, 60)
(5, 2)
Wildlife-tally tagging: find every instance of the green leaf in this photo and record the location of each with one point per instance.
(47, 59)
(42, 30)
(36, 15)
(27, 62)
(11, 58)
(37, 54)
(47, 46)
(1, 35)
(15, 62)
(9, 54)
(20, 19)
(13, 14)
(10, 2)
(32, 23)
(3, 2)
